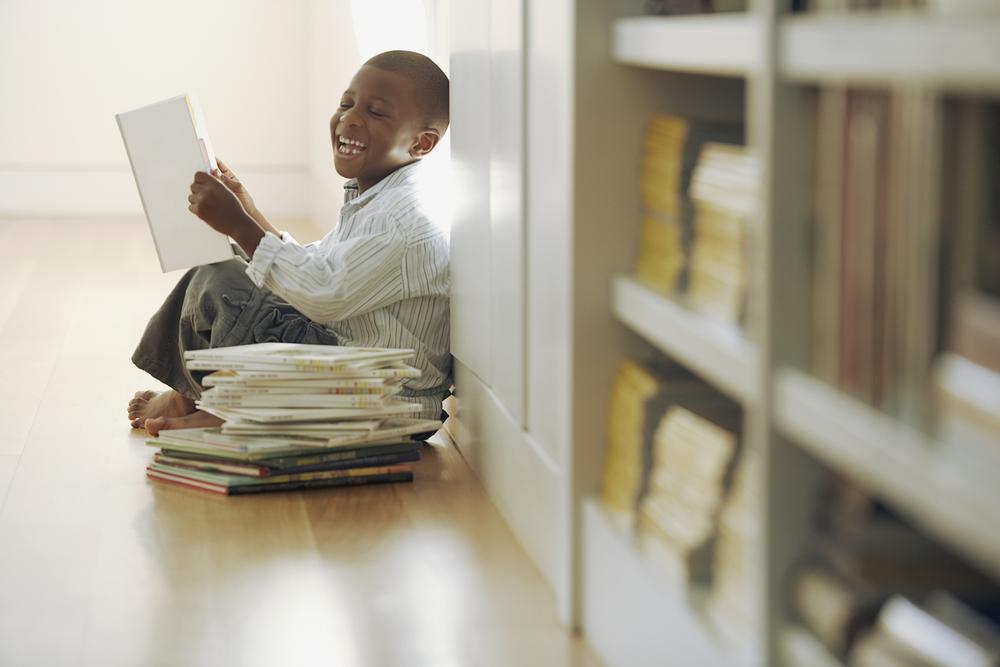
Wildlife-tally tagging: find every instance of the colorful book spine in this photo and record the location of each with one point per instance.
(302, 485)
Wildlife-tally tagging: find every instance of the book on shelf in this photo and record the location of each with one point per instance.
(635, 400)
(864, 557)
(736, 561)
(724, 191)
(942, 632)
(690, 474)
(671, 148)
(639, 397)
(876, 312)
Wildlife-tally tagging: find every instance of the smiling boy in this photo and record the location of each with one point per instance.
(380, 278)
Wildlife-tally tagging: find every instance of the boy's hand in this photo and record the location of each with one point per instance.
(229, 179)
(217, 205)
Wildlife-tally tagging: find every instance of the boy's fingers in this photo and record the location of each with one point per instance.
(201, 177)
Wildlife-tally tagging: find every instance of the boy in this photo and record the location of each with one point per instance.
(380, 278)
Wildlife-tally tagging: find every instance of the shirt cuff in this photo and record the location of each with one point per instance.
(263, 258)
(288, 238)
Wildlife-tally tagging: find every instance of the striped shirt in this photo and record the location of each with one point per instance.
(379, 279)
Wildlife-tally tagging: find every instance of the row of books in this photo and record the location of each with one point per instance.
(943, 7)
(876, 592)
(295, 417)
(699, 190)
(676, 480)
(878, 306)
(906, 282)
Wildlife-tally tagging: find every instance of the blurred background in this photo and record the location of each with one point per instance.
(268, 76)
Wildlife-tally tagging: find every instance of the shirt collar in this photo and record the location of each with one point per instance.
(403, 176)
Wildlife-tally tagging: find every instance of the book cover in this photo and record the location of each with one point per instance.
(230, 481)
(260, 470)
(298, 460)
(166, 144)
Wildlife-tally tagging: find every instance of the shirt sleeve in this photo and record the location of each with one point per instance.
(332, 281)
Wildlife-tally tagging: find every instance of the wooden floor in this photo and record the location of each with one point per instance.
(100, 567)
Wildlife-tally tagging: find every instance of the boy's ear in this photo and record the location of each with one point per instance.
(425, 142)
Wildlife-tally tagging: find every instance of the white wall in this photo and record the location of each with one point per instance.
(66, 67)
(512, 76)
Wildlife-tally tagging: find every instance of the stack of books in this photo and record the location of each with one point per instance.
(942, 631)
(661, 254)
(724, 191)
(634, 406)
(295, 417)
(639, 397)
(968, 388)
(691, 474)
(672, 147)
(736, 564)
(867, 568)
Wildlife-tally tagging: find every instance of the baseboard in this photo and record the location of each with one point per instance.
(518, 476)
(85, 192)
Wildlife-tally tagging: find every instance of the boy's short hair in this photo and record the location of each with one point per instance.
(430, 82)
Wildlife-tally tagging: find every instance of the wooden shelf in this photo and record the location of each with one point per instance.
(799, 647)
(720, 44)
(948, 52)
(921, 478)
(718, 352)
(630, 615)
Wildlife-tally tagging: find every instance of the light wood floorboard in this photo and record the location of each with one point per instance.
(98, 566)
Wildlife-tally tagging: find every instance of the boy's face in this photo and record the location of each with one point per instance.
(378, 127)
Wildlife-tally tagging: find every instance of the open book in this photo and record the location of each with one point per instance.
(166, 144)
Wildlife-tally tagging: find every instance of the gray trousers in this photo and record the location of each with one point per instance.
(217, 305)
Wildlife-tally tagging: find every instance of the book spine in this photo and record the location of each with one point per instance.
(323, 483)
(248, 470)
(281, 463)
(184, 481)
(361, 462)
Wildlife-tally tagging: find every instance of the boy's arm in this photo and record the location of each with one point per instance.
(334, 281)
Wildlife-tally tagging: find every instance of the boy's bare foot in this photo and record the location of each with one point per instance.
(150, 404)
(197, 419)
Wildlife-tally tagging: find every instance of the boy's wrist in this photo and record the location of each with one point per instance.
(248, 235)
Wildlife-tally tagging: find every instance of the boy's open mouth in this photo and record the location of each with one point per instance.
(348, 146)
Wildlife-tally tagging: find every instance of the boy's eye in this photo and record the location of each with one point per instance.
(376, 112)
(345, 105)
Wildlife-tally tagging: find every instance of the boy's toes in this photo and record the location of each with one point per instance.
(137, 423)
(144, 395)
(157, 424)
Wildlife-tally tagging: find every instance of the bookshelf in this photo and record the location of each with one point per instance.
(951, 52)
(628, 604)
(719, 352)
(911, 471)
(798, 647)
(689, 43)
(800, 427)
